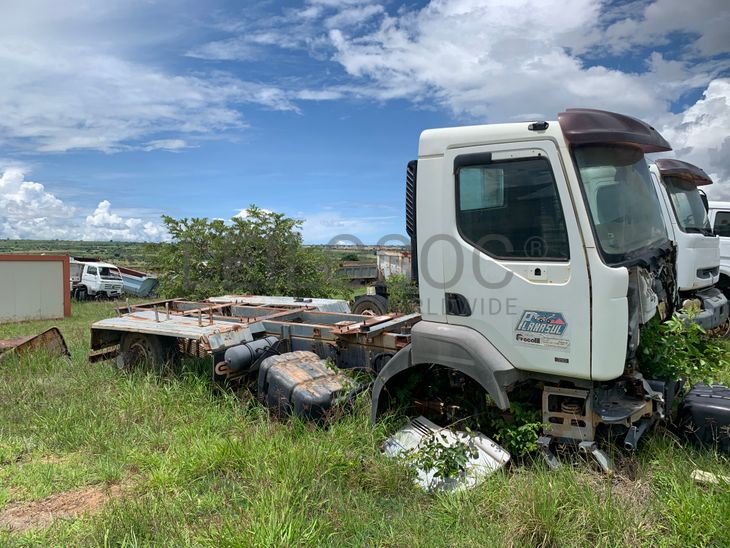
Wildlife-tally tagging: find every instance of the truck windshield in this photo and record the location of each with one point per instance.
(624, 207)
(688, 207)
(109, 273)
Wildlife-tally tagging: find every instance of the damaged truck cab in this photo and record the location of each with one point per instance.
(541, 251)
(698, 248)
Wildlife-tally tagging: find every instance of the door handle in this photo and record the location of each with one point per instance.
(457, 305)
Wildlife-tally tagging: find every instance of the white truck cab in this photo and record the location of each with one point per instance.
(720, 221)
(698, 248)
(540, 251)
(95, 279)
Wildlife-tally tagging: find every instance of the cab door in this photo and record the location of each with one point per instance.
(514, 266)
(721, 226)
(90, 278)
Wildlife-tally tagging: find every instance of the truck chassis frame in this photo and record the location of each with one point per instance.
(206, 329)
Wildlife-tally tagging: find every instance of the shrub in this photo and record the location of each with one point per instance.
(447, 460)
(519, 429)
(402, 294)
(261, 254)
(680, 349)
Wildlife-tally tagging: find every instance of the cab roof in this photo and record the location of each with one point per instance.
(577, 126)
(683, 170)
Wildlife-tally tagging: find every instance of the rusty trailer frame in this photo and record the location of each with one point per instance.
(207, 329)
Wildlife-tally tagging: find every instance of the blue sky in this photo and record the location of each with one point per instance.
(113, 113)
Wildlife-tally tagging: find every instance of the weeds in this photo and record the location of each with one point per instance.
(517, 430)
(447, 459)
(681, 349)
(205, 468)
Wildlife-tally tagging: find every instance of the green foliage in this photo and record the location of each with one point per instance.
(260, 254)
(518, 430)
(447, 459)
(402, 294)
(681, 349)
(350, 257)
(200, 467)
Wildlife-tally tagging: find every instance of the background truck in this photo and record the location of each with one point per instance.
(720, 221)
(698, 248)
(93, 279)
(540, 252)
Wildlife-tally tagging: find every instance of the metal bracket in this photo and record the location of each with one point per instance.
(601, 457)
(543, 442)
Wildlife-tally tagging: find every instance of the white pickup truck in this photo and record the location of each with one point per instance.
(95, 279)
(720, 221)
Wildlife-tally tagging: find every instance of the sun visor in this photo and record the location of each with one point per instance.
(683, 170)
(583, 126)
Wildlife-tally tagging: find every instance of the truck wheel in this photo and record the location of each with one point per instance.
(139, 351)
(370, 305)
(81, 294)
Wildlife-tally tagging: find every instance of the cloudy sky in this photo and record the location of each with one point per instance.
(115, 112)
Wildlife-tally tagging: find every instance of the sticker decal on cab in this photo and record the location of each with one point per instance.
(543, 323)
(542, 329)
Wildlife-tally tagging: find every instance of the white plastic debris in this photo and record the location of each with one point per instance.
(408, 440)
(700, 476)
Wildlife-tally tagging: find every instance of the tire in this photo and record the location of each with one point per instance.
(145, 352)
(81, 294)
(370, 305)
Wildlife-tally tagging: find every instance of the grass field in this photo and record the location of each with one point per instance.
(89, 456)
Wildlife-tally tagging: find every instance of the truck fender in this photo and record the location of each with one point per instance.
(458, 347)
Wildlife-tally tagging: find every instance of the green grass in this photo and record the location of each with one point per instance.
(203, 468)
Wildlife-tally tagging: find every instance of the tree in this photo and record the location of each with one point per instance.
(259, 254)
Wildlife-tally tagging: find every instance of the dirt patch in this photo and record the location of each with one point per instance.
(69, 504)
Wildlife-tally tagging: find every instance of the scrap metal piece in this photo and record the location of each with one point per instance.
(631, 441)
(50, 340)
(543, 442)
(490, 455)
(700, 476)
(601, 457)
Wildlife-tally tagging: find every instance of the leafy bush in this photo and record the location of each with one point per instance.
(518, 430)
(350, 257)
(448, 460)
(402, 294)
(260, 254)
(680, 349)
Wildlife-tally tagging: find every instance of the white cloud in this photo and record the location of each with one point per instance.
(498, 60)
(82, 77)
(29, 211)
(103, 224)
(245, 213)
(171, 145)
(700, 135)
(505, 60)
(707, 20)
(330, 226)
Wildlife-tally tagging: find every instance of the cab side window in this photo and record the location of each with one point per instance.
(722, 223)
(91, 270)
(510, 209)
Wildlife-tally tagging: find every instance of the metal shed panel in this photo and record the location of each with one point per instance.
(34, 287)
